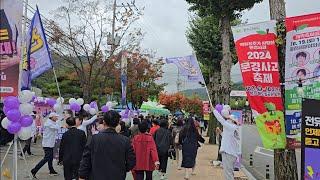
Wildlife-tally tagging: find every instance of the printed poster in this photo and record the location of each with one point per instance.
(10, 43)
(258, 59)
(302, 63)
(206, 110)
(310, 144)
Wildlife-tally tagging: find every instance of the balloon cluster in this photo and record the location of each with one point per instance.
(224, 110)
(91, 108)
(75, 104)
(18, 112)
(107, 107)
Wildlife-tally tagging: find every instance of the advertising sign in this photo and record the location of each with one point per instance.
(310, 144)
(10, 43)
(302, 64)
(258, 59)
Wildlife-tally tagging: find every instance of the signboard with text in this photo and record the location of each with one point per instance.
(206, 110)
(310, 136)
(302, 63)
(258, 59)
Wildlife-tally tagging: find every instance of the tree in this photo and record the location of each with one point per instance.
(285, 164)
(204, 37)
(193, 105)
(173, 102)
(81, 39)
(142, 74)
(225, 11)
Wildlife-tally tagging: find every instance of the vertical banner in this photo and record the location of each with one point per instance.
(10, 46)
(258, 59)
(124, 78)
(302, 63)
(206, 110)
(38, 57)
(310, 144)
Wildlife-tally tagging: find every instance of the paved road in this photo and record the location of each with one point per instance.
(203, 169)
(261, 158)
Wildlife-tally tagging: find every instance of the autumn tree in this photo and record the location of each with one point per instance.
(193, 105)
(173, 102)
(142, 73)
(79, 35)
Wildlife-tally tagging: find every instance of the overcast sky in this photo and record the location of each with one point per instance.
(165, 23)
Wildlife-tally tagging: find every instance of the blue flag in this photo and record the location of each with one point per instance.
(38, 57)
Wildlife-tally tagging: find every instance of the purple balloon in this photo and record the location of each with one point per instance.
(11, 102)
(51, 102)
(14, 115)
(14, 127)
(219, 108)
(104, 108)
(26, 121)
(75, 107)
(127, 111)
(125, 116)
(33, 98)
(93, 104)
(5, 110)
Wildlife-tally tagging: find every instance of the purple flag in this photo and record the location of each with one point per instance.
(188, 66)
(38, 58)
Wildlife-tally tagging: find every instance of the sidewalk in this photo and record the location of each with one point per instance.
(204, 170)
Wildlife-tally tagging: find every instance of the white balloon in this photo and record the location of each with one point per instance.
(58, 108)
(227, 107)
(26, 108)
(72, 100)
(225, 113)
(5, 123)
(86, 107)
(25, 133)
(92, 111)
(60, 100)
(109, 104)
(80, 101)
(25, 96)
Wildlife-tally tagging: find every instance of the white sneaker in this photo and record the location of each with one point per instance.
(216, 163)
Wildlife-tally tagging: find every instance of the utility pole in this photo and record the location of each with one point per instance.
(285, 164)
(113, 39)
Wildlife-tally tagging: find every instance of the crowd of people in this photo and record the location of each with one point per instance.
(103, 146)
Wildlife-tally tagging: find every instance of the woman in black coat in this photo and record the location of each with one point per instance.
(189, 138)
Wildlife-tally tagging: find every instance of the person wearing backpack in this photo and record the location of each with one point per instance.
(177, 146)
(163, 140)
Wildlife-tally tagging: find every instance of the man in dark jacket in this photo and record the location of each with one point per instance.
(107, 155)
(71, 149)
(163, 140)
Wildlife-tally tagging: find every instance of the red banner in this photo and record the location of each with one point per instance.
(258, 59)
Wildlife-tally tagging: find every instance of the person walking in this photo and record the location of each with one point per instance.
(107, 155)
(51, 127)
(189, 137)
(230, 148)
(163, 140)
(124, 130)
(155, 127)
(71, 148)
(177, 146)
(82, 122)
(134, 130)
(146, 153)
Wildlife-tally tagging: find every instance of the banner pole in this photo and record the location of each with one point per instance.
(205, 84)
(56, 79)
